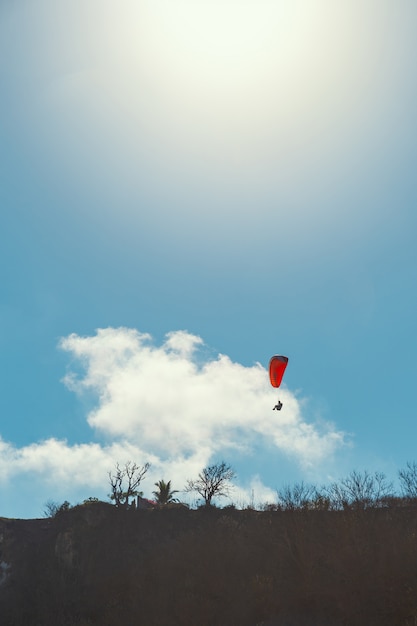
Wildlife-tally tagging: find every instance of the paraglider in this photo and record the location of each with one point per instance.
(277, 366)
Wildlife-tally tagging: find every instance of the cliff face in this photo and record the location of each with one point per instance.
(95, 564)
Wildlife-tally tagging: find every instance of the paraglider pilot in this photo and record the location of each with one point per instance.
(277, 366)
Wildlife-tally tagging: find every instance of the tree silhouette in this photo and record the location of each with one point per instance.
(125, 481)
(298, 496)
(359, 490)
(213, 481)
(408, 480)
(164, 494)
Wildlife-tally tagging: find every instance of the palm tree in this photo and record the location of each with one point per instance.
(164, 493)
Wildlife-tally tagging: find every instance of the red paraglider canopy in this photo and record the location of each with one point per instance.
(277, 366)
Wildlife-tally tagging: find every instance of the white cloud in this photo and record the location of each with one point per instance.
(171, 403)
(170, 406)
(255, 493)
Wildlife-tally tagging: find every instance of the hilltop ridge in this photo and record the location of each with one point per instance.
(96, 564)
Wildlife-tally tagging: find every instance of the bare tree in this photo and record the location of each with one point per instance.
(124, 482)
(52, 508)
(213, 481)
(360, 490)
(408, 480)
(298, 496)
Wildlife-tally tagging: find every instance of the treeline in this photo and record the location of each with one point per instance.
(358, 490)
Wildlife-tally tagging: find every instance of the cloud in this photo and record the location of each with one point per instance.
(174, 403)
(170, 405)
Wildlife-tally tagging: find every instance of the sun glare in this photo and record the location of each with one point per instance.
(219, 54)
(229, 78)
(231, 95)
(241, 66)
(216, 72)
(215, 46)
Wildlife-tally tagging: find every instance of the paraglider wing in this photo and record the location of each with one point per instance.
(277, 366)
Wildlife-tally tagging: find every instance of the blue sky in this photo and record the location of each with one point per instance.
(186, 189)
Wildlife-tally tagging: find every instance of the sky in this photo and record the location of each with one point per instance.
(186, 189)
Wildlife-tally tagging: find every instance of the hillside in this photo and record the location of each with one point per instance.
(96, 564)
